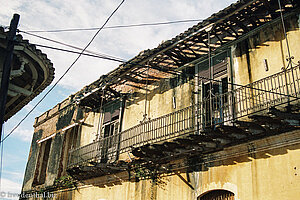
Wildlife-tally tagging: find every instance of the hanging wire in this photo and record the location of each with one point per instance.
(1, 159)
(69, 45)
(210, 79)
(116, 26)
(285, 35)
(146, 94)
(289, 59)
(100, 116)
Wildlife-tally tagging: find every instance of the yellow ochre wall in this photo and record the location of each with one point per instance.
(271, 173)
(160, 102)
(269, 43)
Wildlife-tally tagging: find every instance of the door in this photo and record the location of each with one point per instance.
(215, 101)
(212, 100)
(110, 130)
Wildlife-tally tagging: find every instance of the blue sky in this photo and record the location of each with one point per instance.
(123, 43)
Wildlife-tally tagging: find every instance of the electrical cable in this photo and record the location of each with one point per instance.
(112, 58)
(65, 44)
(89, 43)
(146, 94)
(1, 159)
(116, 26)
(285, 33)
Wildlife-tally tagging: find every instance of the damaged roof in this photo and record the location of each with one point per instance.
(223, 28)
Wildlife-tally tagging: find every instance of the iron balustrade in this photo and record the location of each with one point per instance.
(159, 129)
(278, 89)
(101, 150)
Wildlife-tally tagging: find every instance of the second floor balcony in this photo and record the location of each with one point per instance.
(264, 107)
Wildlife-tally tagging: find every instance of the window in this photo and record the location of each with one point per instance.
(42, 163)
(70, 142)
(217, 195)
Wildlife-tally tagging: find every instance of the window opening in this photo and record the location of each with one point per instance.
(42, 163)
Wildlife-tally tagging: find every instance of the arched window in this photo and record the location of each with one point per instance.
(217, 195)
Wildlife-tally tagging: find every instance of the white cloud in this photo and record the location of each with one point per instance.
(15, 176)
(8, 186)
(23, 134)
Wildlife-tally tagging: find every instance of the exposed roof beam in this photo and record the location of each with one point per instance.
(135, 80)
(20, 90)
(117, 94)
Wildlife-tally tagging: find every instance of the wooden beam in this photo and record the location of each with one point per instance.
(117, 94)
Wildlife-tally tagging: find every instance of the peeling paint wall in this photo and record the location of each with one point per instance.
(31, 163)
(50, 124)
(54, 158)
(168, 96)
(269, 44)
(272, 172)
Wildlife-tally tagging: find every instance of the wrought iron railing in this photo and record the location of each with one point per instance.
(159, 129)
(102, 150)
(278, 89)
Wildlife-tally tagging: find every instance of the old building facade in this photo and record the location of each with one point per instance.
(210, 114)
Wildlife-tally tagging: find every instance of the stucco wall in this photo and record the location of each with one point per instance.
(266, 169)
(88, 130)
(269, 43)
(160, 101)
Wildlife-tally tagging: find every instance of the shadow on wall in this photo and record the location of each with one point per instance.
(269, 34)
(226, 158)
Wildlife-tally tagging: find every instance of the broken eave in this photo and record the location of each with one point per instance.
(227, 26)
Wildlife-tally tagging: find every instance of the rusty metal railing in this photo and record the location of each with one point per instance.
(278, 89)
(159, 129)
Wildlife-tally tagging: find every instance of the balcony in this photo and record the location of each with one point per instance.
(265, 107)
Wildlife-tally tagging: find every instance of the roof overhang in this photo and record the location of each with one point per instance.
(31, 73)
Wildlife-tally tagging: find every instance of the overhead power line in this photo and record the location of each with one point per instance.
(108, 57)
(116, 26)
(68, 69)
(68, 45)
